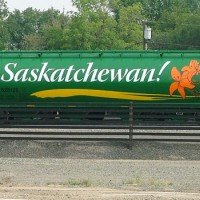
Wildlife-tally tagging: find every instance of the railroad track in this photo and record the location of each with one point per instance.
(97, 122)
(138, 133)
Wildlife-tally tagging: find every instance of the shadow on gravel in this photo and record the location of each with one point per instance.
(100, 150)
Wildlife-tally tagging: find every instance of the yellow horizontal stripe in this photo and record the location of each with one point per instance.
(61, 93)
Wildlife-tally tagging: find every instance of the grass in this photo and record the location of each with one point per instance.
(80, 182)
(151, 182)
(73, 182)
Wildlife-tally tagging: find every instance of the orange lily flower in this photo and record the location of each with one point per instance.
(181, 81)
(191, 70)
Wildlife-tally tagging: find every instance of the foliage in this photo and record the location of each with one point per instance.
(130, 29)
(174, 31)
(103, 24)
(33, 41)
(93, 27)
(187, 33)
(3, 9)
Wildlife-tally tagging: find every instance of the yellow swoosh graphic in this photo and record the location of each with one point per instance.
(56, 93)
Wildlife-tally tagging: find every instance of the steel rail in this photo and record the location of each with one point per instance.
(94, 135)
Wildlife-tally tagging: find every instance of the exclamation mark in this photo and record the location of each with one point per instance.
(162, 69)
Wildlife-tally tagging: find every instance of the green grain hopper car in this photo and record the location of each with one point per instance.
(54, 80)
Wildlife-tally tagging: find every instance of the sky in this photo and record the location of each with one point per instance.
(41, 4)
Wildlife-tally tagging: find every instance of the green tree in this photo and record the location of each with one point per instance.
(21, 24)
(93, 26)
(46, 27)
(177, 31)
(31, 21)
(33, 41)
(188, 5)
(53, 36)
(4, 37)
(106, 6)
(15, 27)
(53, 28)
(186, 35)
(153, 9)
(130, 27)
(3, 10)
(35, 29)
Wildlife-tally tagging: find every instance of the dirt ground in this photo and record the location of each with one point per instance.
(60, 170)
(59, 193)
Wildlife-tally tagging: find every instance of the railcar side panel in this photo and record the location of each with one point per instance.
(99, 76)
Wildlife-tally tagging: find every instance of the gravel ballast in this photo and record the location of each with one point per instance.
(60, 165)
